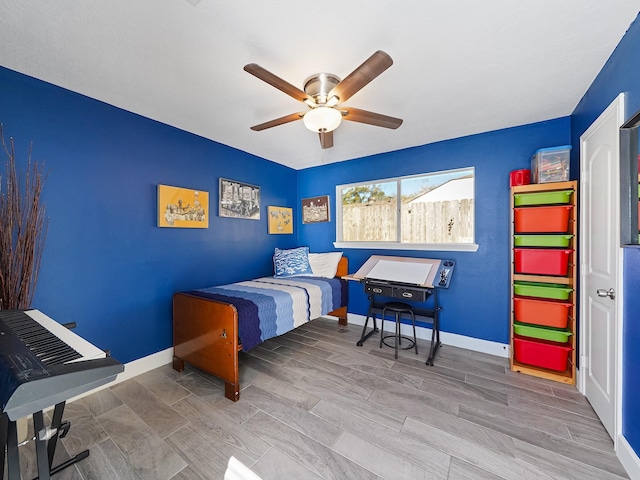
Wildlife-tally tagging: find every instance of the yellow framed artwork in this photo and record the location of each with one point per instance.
(280, 219)
(182, 207)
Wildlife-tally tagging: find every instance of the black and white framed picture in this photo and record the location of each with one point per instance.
(239, 200)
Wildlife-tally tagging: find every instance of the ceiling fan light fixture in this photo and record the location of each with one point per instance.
(322, 119)
(324, 93)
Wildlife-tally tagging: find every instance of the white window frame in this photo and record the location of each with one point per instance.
(398, 245)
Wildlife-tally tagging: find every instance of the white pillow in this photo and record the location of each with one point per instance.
(324, 264)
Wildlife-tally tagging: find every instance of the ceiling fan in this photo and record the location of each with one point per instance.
(323, 93)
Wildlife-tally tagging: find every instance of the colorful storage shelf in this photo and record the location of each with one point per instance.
(543, 278)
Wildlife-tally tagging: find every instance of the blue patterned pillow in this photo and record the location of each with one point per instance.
(292, 263)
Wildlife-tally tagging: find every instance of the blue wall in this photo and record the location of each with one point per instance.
(477, 303)
(621, 74)
(631, 360)
(106, 265)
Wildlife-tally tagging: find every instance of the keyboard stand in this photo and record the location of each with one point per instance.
(46, 440)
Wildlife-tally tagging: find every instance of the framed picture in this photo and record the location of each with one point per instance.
(280, 219)
(182, 207)
(239, 200)
(316, 209)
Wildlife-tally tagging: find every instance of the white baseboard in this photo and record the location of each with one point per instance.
(144, 364)
(453, 339)
(628, 458)
(135, 368)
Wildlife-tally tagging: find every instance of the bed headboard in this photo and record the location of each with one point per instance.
(343, 267)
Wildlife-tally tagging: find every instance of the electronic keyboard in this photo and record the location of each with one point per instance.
(42, 363)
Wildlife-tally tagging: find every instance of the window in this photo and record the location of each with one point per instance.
(429, 211)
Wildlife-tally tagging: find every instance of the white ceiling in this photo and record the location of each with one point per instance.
(460, 66)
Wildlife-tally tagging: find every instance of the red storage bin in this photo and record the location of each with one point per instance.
(541, 312)
(542, 219)
(541, 261)
(541, 353)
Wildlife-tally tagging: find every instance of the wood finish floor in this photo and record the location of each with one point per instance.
(313, 405)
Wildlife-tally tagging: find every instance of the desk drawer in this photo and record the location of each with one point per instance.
(410, 294)
(384, 290)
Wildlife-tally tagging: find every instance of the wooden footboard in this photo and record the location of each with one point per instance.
(205, 335)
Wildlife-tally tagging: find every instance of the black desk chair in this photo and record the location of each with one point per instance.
(398, 309)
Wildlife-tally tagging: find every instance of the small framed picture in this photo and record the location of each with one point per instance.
(315, 209)
(239, 200)
(280, 220)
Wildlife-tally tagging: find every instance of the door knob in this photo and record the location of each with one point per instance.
(611, 293)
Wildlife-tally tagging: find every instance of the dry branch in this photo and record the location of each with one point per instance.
(23, 229)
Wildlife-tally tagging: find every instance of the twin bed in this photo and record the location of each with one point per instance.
(211, 325)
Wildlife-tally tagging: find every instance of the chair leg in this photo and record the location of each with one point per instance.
(382, 327)
(397, 339)
(415, 339)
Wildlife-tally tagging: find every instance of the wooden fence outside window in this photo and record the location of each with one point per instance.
(429, 222)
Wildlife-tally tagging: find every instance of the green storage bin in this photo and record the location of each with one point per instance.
(560, 197)
(542, 333)
(542, 290)
(542, 240)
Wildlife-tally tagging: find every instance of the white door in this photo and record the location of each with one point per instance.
(600, 255)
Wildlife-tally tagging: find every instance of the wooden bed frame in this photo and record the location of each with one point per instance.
(205, 335)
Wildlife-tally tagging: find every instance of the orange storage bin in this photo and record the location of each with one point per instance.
(541, 261)
(541, 353)
(542, 219)
(541, 312)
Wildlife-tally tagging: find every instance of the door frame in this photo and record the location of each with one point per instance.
(615, 108)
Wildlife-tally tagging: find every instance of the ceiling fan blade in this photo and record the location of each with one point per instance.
(370, 69)
(377, 119)
(278, 121)
(274, 80)
(326, 139)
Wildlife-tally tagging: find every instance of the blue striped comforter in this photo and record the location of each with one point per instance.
(268, 307)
